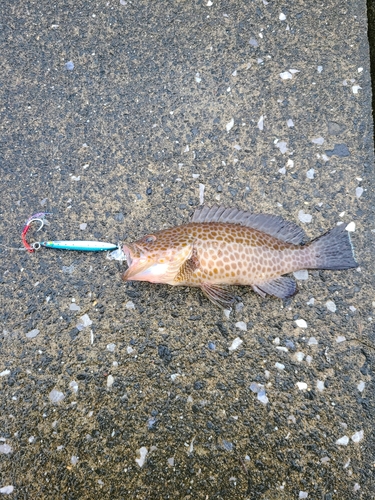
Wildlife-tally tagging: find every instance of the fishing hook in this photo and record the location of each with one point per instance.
(39, 217)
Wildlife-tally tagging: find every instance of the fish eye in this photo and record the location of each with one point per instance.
(150, 238)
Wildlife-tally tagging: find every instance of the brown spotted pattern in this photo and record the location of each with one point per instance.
(216, 253)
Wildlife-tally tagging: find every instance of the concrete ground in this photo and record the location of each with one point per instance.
(119, 117)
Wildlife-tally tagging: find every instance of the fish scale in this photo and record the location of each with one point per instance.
(227, 246)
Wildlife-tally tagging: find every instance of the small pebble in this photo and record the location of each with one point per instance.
(32, 333)
(171, 461)
(331, 306)
(356, 487)
(320, 385)
(310, 173)
(357, 437)
(340, 338)
(130, 305)
(7, 490)
(361, 386)
(110, 381)
(83, 226)
(262, 396)
(69, 65)
(303, 274)
(4, 373)
(358, 191)
(56, 396)
(83, 322)
(343, 441)
(320, 69)
(74, 460)
(312, 341)
(142, 456)
(74, 307)
(299, 356)
(235, 344)
(74, 386)
(301, 323)
(311, 302)
(318, 140)
(211, 346)
(303, 217)
(350, 227)
(261, 123)
(227, 445)
(324, 460)
(286, 75)
(5, 449)
(303, 494)
(279, 366)
(302, 386)
(241, 325)
(229, 125)
(290, 123)
(282, 16)
(111, 347)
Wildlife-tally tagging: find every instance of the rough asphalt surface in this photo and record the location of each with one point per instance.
(112, 116)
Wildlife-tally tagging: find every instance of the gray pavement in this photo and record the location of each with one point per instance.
(264, 106)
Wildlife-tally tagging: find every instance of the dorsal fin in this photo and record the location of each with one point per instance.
(270, 224)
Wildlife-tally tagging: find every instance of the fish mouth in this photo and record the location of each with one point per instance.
(133, 254)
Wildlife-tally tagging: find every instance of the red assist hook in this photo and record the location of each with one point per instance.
(39, 217)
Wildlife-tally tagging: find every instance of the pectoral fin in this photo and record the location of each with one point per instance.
(282, 288)
(218, 295)
(188, 267)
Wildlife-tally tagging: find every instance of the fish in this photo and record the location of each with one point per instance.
(220, 247)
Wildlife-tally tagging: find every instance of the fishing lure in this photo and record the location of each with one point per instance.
(82, 246)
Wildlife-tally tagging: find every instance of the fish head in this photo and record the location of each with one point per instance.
(155, 258)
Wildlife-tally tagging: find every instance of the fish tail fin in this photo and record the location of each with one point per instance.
(333, 250)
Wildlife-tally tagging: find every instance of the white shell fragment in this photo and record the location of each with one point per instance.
(357, 436)
(32, 333)
(7, 490)
(282, 145)
(340, 338)
(241, 325)
(235, 344)
(261, 123)
(286, 75)
(130, 305)
(320, 69)
(312, 341)
(56, 396)
(110, 381)
(361, 386)
(331, 306)
(320, 385)
(83, 322)
(4, 373)
(290, 123)
(299, 356)
(343, 441)
(5, 449)
(310, 173)
(302, 386)
(279, 366)
(303, 274)
(301, 323)
(303, 217)
(83, 226)
(198, 79)
(282, 16)
(303, 494)
(111, 347)
(201, 193)
(74, 307)
(318, 140)
(359, 191)
(74, 386)
(229, 125)
(355, 89)
(350, 227)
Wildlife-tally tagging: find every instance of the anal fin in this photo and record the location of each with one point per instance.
(218, 295)
(282, 288)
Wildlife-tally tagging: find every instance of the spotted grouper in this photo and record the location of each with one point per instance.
(222, 246)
